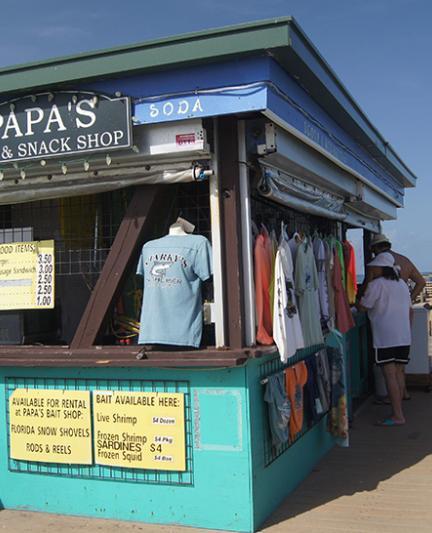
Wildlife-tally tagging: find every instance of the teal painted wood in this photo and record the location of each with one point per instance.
(220, 496)
(231, 489)
(358, 359)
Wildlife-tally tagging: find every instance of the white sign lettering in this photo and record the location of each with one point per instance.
(175, 108)
(54, 125)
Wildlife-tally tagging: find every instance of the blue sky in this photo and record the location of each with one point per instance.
(380, 49)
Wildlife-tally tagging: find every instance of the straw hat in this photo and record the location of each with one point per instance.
(379, 238)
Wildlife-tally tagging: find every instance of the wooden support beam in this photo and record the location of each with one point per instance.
(232, 267)
(367, 254)
(149, 205)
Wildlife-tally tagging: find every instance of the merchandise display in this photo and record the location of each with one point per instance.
(295, 380)
(279, 409)
(344, 318)
(306, 293)
(319, 250)
(306, 282)
(298, 396)
(173, 269)
(287, 330)
(338, 415)
(351, 272)
(263, 274)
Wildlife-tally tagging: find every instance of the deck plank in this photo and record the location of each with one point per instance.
(381, 483)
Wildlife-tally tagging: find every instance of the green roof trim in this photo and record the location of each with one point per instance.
(281, 37)
(178, 50)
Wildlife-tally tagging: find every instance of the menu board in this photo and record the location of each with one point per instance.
(27, 275)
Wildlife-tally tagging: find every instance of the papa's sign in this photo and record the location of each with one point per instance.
(61, 124)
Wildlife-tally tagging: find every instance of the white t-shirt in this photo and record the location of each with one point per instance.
(388, 303)
(287, 330)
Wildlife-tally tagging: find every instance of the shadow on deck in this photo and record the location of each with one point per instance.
(381, 483)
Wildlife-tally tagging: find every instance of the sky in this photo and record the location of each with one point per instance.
(380, 49)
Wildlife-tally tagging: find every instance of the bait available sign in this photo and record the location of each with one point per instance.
(63, 124)
(139, 430)
(129, 429)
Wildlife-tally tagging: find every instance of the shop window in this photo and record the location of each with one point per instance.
(192, 204)
(83, 229)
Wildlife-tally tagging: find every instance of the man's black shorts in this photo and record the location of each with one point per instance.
(394, 354)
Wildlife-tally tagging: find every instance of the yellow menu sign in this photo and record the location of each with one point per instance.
(139, 430)
(27, 275)
(50, 426)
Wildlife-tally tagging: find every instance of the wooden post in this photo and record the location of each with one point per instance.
(367, 254)
(232, 266)
(149, 205)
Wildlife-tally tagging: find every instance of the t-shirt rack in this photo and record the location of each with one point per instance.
(304, 278)
(300, 393)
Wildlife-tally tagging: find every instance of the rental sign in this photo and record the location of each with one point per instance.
(63, 124)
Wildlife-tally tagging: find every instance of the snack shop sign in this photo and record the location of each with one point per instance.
(62, 124)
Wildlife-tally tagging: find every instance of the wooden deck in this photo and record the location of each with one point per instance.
(381, 484)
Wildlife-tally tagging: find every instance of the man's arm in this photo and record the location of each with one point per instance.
(419, 281)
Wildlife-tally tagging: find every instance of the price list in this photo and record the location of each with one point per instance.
(45, 279)
(27, 275)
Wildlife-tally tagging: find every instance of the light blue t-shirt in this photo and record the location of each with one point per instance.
(173, 268)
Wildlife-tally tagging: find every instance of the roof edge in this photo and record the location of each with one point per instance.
(199, 35)
(282, 34)
(385, 147)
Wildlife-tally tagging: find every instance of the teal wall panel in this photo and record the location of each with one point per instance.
(230, 485)
(220, 433)
(220, 496)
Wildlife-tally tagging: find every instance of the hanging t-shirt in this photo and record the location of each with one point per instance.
(338, 422)
(320, 260)
(263, 269)
(273, 248)
(295, 379)
(294, 243)
(287, 330)
(339, 250)
(329, 267)
(279, 408)
(351, 274)
(323, 378)
(313, 407)
(344, 318)
(173, 268)
(306, 283)
(388, 303)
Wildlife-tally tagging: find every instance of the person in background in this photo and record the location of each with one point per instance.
(388, 303)
(408, 273)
